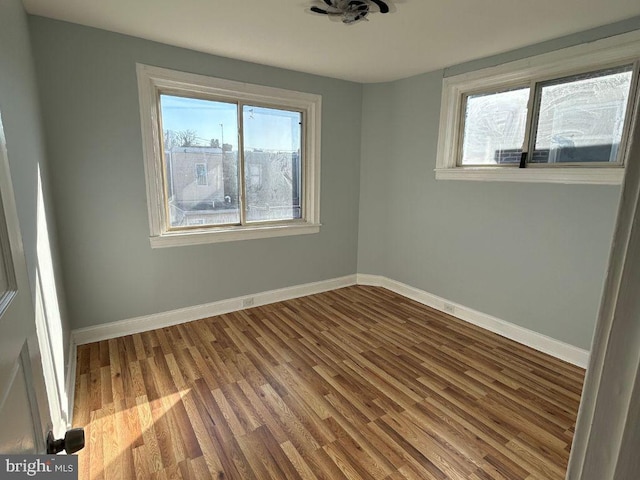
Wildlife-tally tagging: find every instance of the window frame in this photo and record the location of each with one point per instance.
(528, 73)
(152, 81)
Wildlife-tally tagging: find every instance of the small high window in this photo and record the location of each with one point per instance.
(227, 161)
(581, 119)
(542, 119)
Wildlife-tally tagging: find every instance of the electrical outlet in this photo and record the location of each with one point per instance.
(450, 309)
(248, 302)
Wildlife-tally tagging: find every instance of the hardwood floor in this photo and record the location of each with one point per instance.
(354, 383)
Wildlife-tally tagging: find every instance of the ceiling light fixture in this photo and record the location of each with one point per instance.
(351, 11)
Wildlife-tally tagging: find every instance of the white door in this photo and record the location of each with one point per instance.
(24, 415)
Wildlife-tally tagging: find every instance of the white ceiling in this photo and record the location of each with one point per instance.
(418, 36)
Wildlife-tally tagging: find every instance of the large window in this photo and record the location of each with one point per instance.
(561, 117)
(227, 161)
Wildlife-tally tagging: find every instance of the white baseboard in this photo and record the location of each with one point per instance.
(543, 343)
(145, 323)
(564, 351)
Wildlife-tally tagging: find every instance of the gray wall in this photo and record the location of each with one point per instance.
(89, 98)
(531, 254)
(25, 141)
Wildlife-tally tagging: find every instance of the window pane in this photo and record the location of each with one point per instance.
(201, 162)
(272, 146)
(494, 126)
(581, 117)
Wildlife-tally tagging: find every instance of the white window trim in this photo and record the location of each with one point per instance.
(150, 80)
(586, 57)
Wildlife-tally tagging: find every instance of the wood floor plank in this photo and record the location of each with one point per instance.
(355, 383)
(93, 448)
(297, 461)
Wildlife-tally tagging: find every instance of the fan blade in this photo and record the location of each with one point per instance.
(384, 8)
(356, 6)
(319, 10)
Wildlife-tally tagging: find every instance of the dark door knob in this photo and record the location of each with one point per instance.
(72, 442)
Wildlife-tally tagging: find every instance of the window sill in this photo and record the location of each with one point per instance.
(230, 234)
(575, 175)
